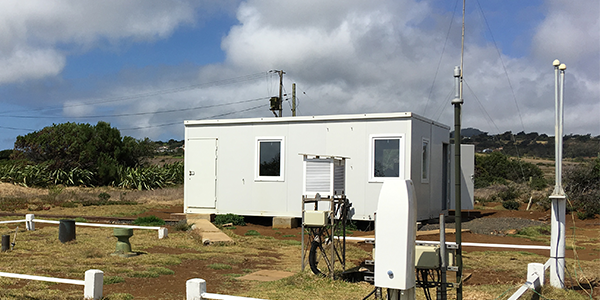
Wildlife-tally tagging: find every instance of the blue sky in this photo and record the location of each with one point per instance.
(146, 66)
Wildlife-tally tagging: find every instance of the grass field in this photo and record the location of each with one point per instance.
(163, 266)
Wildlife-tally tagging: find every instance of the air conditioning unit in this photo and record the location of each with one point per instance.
(324, 175)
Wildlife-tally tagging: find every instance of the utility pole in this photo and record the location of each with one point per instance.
(277, 102)
(293, 99)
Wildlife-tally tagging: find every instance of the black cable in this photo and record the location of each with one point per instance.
(371, 293)
(441, 56)
(141, 113)
(503, 65)
(153, 93)
(180, 122)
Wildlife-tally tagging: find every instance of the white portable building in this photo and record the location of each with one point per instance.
(252, 167)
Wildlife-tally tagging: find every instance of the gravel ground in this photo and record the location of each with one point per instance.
(492, 226)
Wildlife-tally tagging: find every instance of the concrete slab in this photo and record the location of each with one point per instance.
(209, 217)
(285, 222)
(209, 233)
(266, 275)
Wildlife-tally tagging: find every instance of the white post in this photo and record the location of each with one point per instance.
(194, 288)
(557, 242)
(94, 280)
(29, 224)
(558, 197)
(535, 275)
(163, 233)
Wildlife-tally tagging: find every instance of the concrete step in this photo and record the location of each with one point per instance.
(209, 233)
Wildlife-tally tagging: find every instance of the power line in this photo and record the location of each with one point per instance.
(140, 113)
(503, 66)
(441, 56)
(211, 117)
(15, 128)
(97, 101)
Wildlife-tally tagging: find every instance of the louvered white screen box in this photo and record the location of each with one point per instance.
(325, 175)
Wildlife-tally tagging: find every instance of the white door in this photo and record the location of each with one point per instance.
(201, 173)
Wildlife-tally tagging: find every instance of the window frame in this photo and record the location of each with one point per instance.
(258, 141)
(425, 159)
(401, 155)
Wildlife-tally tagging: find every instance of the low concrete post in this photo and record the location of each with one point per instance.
(535, 275)
(163, 233)
(94, 280)
(194, 288)
(29, 224)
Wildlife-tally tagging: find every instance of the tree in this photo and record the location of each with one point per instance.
(67, 146)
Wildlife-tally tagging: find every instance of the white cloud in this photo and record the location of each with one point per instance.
(31, 32)
(30, 63)
(382, 56)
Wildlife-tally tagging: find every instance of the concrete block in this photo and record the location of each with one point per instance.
(29, 223)
(94, 280)
(209, 217)
(285, 222)
(194, 288)
(163, 232)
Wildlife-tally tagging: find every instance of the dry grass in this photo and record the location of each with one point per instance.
(40, 253)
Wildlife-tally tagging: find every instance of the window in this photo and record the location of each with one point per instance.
(269, 165)
(386, 158)
(425, 161)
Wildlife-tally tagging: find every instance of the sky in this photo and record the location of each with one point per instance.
(145, 66)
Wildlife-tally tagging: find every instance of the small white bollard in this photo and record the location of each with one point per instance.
(535, 275)
(194, 288)
(163, 233)
(94, 280)
(29, 224)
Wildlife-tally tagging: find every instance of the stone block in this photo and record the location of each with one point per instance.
(285, 222)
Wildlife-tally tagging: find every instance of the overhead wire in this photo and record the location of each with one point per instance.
(141, 113)
(440, 60)
(15, 128)
(97, 101)
(210, 117)
(503, 65)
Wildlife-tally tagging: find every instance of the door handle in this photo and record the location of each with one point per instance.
(192, 173)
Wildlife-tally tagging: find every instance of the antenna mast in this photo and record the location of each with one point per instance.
(457, 102)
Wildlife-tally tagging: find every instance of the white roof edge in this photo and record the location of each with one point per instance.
(396, 115)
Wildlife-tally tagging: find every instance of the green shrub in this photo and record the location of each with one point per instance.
(509, 193)
(538, 183)
(498, 168)
(182, 226)
(119, 296)
(229, 218)
(252, 232)
(583, 215)
(113, 279)
(103, 196)
(511, 205)
(149, 221)
(219, 266)
(534, 231)
(68, 204)
(12, 204)
(582, 185)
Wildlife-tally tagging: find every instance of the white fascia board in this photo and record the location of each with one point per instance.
(396, 115)
(401, 115)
